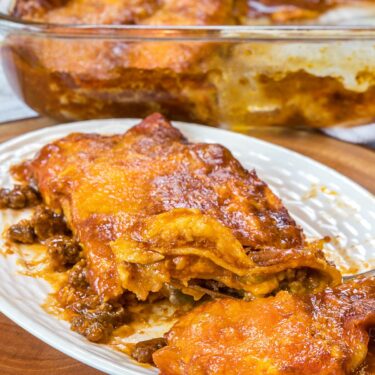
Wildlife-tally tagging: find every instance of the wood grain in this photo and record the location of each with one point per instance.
(21, 353)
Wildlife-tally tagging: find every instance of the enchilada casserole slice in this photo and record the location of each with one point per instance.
(153, 212)
(326, 333)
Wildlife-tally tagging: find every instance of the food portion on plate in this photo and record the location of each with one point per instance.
(150, 208)
(325, 333)
(147, 226)
(226, 77)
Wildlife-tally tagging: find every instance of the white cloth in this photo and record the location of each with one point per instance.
(11, 108)
(364, 134)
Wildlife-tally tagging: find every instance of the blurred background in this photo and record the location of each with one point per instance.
(12, 108)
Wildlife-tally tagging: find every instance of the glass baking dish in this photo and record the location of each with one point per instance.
(232, 76)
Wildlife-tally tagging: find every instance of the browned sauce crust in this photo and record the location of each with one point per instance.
(317, 334)
(149, 208)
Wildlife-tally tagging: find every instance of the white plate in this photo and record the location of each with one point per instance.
(321, 200)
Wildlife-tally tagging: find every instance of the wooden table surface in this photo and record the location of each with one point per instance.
(21, 353)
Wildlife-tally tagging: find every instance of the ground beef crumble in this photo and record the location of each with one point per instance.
(143, 350)
(21, 196)
(47, 223)
(22, 232)
(49, 227)
(90, 316)
(64, 252)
